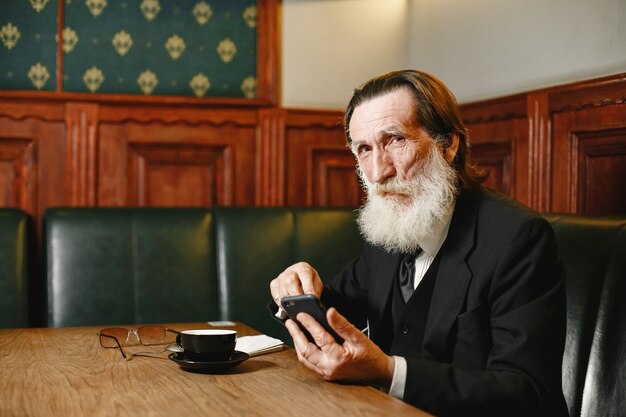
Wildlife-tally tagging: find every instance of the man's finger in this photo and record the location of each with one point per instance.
(289, 284)
(306, 277)
(343, 327)
(300, 342)
(320, 335)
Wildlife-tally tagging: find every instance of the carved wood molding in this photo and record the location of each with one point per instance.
(177, 115)
(598, 92)
(270, 158)
(539, 152)
(21, 110)
(325, 119)
(81, 154)
(588, 94)
(499, 109)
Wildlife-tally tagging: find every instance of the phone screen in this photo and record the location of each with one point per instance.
(310, 304)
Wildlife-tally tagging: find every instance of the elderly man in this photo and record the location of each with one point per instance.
(461, 288)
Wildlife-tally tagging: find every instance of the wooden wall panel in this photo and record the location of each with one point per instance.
(178, 164)
(602, 173)
(179, 175)
(31, 164)
(17, 173)
(498, 133)
(320, 169)
(590, 160)
(566, 145)
(556, 149)
(496, 158)
(333, 177)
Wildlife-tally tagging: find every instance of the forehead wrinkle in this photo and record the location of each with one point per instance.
(392, 113)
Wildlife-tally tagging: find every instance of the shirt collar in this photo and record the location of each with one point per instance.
(434, 241)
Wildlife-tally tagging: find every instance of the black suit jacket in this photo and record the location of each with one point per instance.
(495, 332)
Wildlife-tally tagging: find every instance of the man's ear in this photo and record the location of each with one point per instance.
(449, 152)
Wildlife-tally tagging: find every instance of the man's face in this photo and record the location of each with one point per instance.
(387, 141)
(410, 184)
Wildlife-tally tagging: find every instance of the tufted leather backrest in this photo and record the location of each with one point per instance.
(125, 266)
(593, 251)
(14, 261)
(254, 245)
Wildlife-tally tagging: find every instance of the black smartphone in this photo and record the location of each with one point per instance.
(310, 304)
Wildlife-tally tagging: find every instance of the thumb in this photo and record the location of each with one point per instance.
(342, 326)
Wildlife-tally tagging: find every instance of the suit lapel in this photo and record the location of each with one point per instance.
(386, 271)
(453, 279)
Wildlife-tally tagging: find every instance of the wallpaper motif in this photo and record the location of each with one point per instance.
(202, 48)
(28, 44)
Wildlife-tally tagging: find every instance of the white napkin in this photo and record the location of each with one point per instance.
(258, 345)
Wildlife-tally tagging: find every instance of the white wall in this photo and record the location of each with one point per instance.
(480, 48)
(331, 46)
(487, 48)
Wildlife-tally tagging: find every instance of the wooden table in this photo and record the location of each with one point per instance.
(65, 372)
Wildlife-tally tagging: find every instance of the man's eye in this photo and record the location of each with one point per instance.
(362, 149)
(396, 139)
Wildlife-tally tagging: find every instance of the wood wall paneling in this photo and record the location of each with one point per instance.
(179, 175)
(31, 162)
(538, 175)
(320, 168)
(268, 51)
(557, 149)
(496, 158)
(334, 182)
(17, 173)
(270, 158)
(81, 121)
(590, 160)
(566, 145)
(154, 163)
(498, 132)
(601, 174)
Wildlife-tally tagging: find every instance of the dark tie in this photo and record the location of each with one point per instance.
(406, 274)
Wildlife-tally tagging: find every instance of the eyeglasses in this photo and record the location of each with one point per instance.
(113, 337)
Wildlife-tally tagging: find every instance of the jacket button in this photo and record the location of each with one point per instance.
(405, 329)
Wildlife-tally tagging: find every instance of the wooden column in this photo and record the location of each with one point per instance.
(81, 120)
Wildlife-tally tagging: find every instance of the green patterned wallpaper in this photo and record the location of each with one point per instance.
(202, 48)
(28, 44)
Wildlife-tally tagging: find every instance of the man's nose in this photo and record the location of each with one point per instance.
(382, 167)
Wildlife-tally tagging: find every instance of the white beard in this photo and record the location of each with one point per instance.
(399, 226)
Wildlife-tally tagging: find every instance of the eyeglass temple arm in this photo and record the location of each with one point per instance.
(116, 341)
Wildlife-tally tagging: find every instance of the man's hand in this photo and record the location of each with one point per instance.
(300, 278)
(358, 359)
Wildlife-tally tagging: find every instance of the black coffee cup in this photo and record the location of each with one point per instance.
(207, 345)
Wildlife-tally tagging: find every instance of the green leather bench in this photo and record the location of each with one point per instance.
(14, 262)
(254, 245)
(140, 265)
(126, 265)
(593, 251)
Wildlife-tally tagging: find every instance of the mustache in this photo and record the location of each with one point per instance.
(393, 186)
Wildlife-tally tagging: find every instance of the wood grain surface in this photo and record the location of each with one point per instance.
(65, 372)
